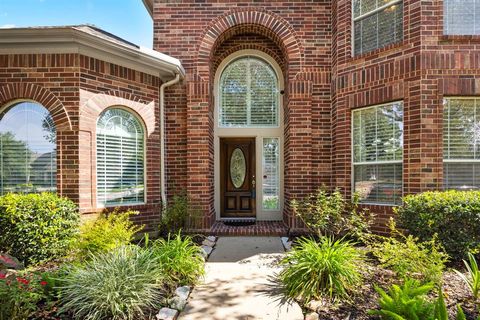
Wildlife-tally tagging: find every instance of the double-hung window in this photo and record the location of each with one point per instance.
(461, 17)
(378, 153)
(120, 158)
(376, 23)
(461, 143)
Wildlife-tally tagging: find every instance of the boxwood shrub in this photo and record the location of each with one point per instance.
(37, 227)
(453, 215)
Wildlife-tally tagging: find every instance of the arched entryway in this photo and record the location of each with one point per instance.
(248, 137)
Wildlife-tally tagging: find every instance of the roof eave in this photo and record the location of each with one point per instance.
(66, 39)
(149, 6)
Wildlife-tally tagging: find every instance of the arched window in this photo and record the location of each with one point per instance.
(120, 158)
(248, 94)
(27, 149)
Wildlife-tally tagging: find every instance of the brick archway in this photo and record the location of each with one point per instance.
(249, 20)
(14, 91)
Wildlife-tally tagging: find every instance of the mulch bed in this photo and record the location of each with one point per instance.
(455, 290)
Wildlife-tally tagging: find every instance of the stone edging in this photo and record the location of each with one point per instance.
(178, 303)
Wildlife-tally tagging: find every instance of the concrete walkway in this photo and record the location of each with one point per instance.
(239, 283)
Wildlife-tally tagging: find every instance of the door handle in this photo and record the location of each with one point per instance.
(254, 190)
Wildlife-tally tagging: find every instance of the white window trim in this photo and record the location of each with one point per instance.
(250, 132)
(363, 16)
(352, 154)
(145, 172)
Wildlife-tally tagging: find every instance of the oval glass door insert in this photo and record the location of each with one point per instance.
(238, 168)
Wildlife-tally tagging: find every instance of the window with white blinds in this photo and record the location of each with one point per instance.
(28, 156)
(271, 174)
(461, 143)
(376, 23)
(248, 94)
(461, 17)
(120, 158)
(378, 153)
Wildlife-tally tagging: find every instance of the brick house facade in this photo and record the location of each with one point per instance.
(323, 80)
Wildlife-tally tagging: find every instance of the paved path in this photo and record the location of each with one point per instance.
(239, 283)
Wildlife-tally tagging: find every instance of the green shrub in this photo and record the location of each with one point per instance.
(330, 214)
(179, 211)
(124, 283)
(19, 295)
(407, 302)
(318, 269)
(453, 215)
(180, 260)
(107, 232)
(37, 227)
(472, 279)
(410, 258)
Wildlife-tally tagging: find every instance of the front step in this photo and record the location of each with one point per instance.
(259, 228)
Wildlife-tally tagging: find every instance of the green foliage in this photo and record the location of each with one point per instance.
(37, 227)
(325, 268)
(180, 260)
(453, 215)
(330, 214)
(408, 257)
(107, 233)
(406, 302)
(441, 311)
(177, 213)
(121, 284)
(473, 278)
(19, 295)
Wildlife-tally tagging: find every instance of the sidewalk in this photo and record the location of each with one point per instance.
(239, 283)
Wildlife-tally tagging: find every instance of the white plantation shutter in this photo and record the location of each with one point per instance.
(120, 158)
(378, 153)
(461, 17)
(377, 23)
(461, 143)
(271, 174)
(27, 149)
(248, 94)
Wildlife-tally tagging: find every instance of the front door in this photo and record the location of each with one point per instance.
(237, 177)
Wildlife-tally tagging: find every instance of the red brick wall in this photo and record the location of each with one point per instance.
(75, 89)
(297, 35)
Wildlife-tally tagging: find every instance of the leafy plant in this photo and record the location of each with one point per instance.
(330, 214)
(325, 268)
(180, 260)
(441, 312)
(19, 295)
(408, 257)
(179, 211)
(37, 227)
(108, 232)
(120, 284)
(406, 302)
(473, 278)
(451, 215)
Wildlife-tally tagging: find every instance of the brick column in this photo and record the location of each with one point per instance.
(298, 146)
(200, 184)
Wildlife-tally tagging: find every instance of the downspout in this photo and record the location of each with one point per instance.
(163, 185)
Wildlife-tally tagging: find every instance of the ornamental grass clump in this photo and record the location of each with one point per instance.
(179, 259)
(326, 268)
(125, 283)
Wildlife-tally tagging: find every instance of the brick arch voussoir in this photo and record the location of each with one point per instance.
(29, 91)
(218, 59)
(261, 21)
(96, 104)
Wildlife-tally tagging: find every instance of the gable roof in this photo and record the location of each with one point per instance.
(149, 5)
(90, 41)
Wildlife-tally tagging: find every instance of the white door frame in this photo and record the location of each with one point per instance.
(258, 133)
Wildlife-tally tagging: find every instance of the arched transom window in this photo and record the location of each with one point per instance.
(120, 158)
(248, 94)
(27, 149)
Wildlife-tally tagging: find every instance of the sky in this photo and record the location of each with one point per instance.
(127, 19)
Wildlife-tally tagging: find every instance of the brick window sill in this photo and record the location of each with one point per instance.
(461, 38)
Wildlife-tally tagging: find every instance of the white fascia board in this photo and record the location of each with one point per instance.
(68, 40)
